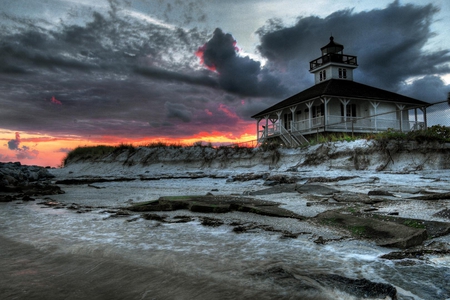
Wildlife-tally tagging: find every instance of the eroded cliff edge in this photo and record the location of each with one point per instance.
(371, 155)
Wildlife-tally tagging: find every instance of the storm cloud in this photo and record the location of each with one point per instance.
(237, 74)
(390, 43)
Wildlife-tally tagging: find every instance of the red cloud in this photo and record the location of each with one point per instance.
(56, 101)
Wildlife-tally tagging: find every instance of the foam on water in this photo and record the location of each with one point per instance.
(215, 251)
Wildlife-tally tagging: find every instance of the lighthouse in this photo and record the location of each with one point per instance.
(333, 64)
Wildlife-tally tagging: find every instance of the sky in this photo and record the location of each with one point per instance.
(81, 72)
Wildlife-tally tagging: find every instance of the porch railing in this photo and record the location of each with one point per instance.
(340, 123)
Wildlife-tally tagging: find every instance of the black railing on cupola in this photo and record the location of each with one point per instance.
(333, 57)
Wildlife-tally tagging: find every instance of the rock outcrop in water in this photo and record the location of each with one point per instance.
(23, 182)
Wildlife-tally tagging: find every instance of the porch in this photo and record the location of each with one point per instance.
(294, 134)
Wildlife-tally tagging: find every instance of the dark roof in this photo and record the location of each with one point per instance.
(344, 89)
(332, 43)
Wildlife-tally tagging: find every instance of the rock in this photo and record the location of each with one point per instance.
(437, 196)
(211, 222)
(277, 189)
(239, 229)
(215, 204)
(182, 219)
(354, 197)
(6, 198)
(328, 179)
(153, 217)
(122, 213)
(209, 208)
(433, 248)
(27, 198)
(319, 240)
(311, 281)
(270, 183)
(289, 235)
(384, 233)
(445, 213)
(248, 176)
(380, 193)
(15, 178)
(361, 288)
(319, 189)
(282, 179)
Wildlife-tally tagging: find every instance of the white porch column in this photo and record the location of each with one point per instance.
(344, 103)
(309, 105)
(375, 106)
(425, 122)
(266, 129)
(279, 119)
(415, 119)
(325, 102)
(401, 107)
(257, 130)
(292, 109)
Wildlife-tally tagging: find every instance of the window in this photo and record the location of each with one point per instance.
(287, 121)
(318, 111)
(342, 73)
(323, 75)
(350, 110)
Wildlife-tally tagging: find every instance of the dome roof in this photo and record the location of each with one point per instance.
(332, 47)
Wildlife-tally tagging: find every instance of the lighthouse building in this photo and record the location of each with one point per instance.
(336, 103)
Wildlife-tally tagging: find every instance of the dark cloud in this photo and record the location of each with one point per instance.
(166, 75)
(14, 144)
(237, 74)
(27, 153)
(112, 74)
(178, 111)
(64, 150)
(429, 88)
(389, 43)
(23, 152)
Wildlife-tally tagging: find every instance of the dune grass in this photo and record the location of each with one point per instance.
(435, 133)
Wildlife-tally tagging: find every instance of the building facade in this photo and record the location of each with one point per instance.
(336, 103)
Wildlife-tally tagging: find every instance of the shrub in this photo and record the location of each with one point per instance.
(436, 133)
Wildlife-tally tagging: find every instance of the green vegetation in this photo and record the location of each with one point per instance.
(334, 137)
(270, 145)
(436, 133)
(357, 230)
(96, 152)
(414, 224)
(330, 221)
(87, 152)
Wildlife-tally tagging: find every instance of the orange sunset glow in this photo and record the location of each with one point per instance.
(45, 150)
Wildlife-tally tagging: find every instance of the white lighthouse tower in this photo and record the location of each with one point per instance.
(333, 64)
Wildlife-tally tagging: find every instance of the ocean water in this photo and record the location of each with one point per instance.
(48, 253)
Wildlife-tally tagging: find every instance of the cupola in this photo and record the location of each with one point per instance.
(332, 47)
(333, 64)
